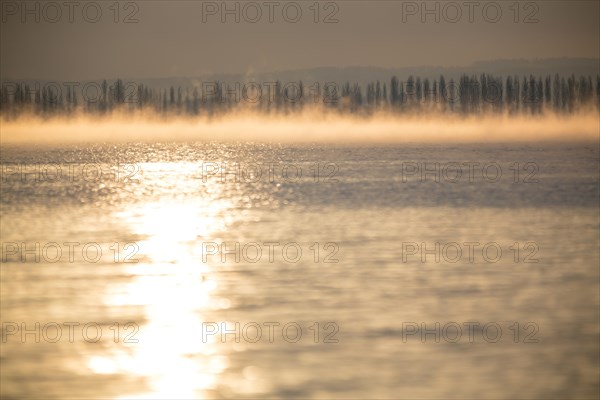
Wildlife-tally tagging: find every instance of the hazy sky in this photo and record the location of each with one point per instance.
(187, 38)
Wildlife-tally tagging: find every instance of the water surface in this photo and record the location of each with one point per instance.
(360, 207)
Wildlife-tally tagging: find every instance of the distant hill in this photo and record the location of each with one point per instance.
(363, 75)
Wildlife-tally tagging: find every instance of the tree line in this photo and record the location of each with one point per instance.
(468, 95)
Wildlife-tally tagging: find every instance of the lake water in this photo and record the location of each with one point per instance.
(336, 278)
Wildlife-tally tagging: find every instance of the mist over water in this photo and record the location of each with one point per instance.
(309, 126)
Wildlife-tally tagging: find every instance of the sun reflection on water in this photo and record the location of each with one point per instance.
(172, 288)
